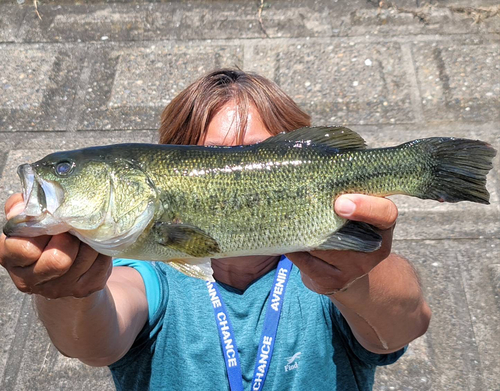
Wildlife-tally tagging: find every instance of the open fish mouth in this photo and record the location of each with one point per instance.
(41, 200)
(33, 195)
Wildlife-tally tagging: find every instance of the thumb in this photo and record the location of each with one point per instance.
(14, 205)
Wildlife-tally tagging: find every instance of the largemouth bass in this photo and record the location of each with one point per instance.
(187, 204)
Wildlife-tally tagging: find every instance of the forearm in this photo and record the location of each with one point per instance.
(86, 328)
(385, 309)
(101, 328)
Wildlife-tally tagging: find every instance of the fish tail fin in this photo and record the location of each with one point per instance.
(458, 169)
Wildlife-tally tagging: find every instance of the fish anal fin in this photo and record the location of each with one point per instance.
(197, 268)
(185, 238)
(354, 235)
(333, 137)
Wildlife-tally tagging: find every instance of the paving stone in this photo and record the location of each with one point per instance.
(136, 20)
(64, 21)
(130, 86)
(414, 371)
(37, 85)
(342, 82)
(20, 76)
(16, 341)
(459, 82)
(202, 21)
(9, 316)
(494, 270)
(44, 368)
(394, 21)
(478, 264)
(28, 360)
(492, 25)
(3, 159)
(465, 3)
(422, 17)
(455, 344)
(222, 20)
(83, 22)
(93, 21)
(10, 21)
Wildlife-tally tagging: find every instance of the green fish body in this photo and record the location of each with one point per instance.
(187, 204)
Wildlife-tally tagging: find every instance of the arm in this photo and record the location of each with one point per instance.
(91, 311)
(377, 293)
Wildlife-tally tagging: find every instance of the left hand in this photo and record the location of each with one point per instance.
(327, 272)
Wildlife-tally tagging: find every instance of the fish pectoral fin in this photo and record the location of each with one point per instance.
(202, 268)
(333, 137)
(185, 238)
(354, 235)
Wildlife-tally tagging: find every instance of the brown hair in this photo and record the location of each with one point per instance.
(187, 116)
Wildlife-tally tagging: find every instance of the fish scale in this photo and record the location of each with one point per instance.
(187, 204)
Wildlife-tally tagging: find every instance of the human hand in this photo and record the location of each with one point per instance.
(52, 266)
(327, 272)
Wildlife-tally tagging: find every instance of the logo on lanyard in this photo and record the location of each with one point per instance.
(268, 336)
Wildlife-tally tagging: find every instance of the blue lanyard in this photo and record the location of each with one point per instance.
(267, 338)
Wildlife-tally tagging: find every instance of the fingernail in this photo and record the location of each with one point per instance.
(345, 207)
(15, 210)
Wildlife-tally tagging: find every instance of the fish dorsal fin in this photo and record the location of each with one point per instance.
(333, 137)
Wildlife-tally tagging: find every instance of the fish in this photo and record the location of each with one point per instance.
(186, 205)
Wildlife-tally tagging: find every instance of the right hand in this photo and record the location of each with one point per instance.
(52, 266)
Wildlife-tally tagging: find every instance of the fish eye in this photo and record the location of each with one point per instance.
(64, 168)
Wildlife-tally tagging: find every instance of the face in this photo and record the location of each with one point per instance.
(223, 128)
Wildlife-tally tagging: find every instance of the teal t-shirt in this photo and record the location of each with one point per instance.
(179, 347)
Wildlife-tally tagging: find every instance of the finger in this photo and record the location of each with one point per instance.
(379, 212)
(313, 285)
(95, 278)
(57, 257)
(21, 252)
(84, 260)
(93, 265)
(311, 265)
(318, 275)
(14, 200)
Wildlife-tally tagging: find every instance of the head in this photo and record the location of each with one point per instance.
(83, 191)
(232, 102)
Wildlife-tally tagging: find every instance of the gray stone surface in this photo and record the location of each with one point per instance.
(83, 22)
(42, 367)
(66, 21)
(459, 352)
(128, 86)
(37, 86)
(10, 21)
(94, 72)
(459, 81)
(327, 80)
(494, 270)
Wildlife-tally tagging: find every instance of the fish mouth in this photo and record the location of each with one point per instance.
(41, 200)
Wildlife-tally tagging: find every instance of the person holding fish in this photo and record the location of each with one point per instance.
(307, 294)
